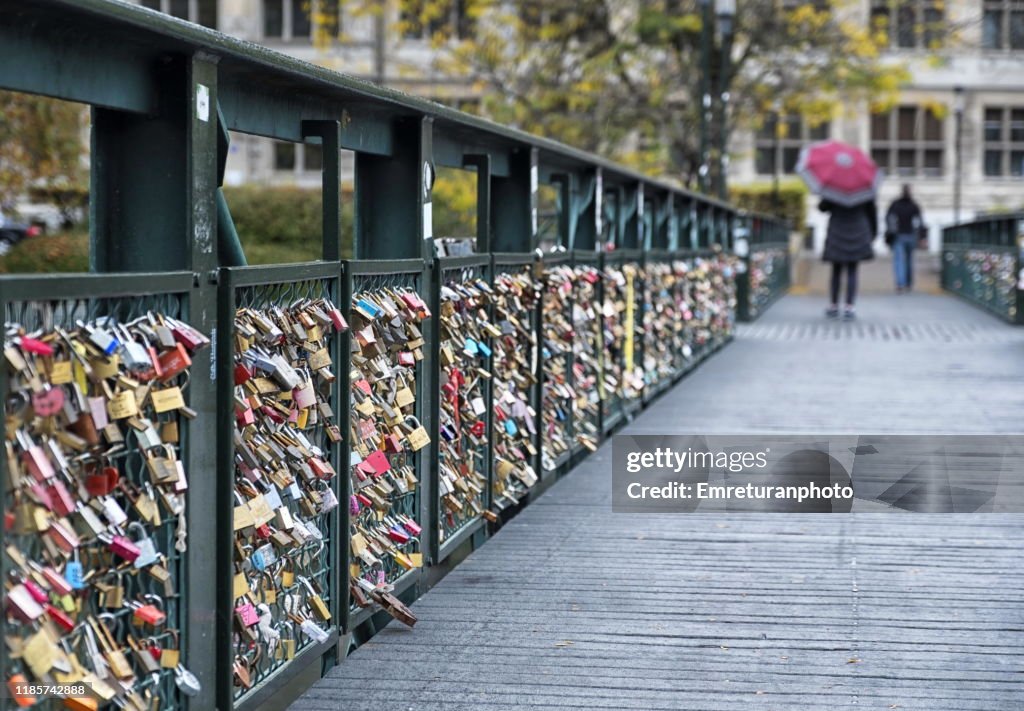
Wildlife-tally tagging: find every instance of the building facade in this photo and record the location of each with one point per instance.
(383, 47)
(956, 134)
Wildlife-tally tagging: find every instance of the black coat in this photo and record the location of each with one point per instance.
(851, 230)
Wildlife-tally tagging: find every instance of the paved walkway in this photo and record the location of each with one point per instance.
(570, 606)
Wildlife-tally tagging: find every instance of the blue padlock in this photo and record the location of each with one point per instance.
(73, 573)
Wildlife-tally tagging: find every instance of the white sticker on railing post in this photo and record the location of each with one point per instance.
(203, 102)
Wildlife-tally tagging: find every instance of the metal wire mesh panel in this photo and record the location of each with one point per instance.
(515, 402)
(286, 486)
(683, 299)
(96, 391)
(556, 356)
(662, 325)
(987, 277)
(712, 293)
(465, 334)
(768, 277)
(613, 306)
(387, 402)
(587, 353)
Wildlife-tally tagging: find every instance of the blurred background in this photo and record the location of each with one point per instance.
(717, 95)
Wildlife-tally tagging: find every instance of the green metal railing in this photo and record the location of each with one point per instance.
(163, 95)
(982, 262)
(764, 272)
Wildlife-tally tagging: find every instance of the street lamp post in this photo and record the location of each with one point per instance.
(958, 110)
(726, 12)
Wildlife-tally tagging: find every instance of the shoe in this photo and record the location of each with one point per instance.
(832, 312)
(849, 314)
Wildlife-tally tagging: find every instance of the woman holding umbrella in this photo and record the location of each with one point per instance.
(847, 180)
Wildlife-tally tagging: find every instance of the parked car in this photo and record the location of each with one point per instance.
(13, 232)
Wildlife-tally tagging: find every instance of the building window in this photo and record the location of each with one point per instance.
(301, 157)
(295, 20)
(1002, 24)
(910, 23)
(1004, 141)
(778, 145)
(423, 20)
(908, 141)
(201, 12)
(312, 157)
(284, 156)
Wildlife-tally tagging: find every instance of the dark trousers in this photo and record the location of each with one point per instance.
(851, 281)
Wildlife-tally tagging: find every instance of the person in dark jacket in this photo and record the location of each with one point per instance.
(851, 230)
(903, 222)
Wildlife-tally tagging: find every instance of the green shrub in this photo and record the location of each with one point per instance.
(280, 223)
(59, 252)
(760, 197)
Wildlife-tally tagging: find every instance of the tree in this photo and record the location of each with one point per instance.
(624, 79)
(42, 148)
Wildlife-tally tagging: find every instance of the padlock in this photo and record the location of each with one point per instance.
(144, 543)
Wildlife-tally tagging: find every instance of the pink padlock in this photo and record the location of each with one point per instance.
(123, 547)
(337, 319)
(32, 345)
(37, 593)
(304, 395)
(247, 615)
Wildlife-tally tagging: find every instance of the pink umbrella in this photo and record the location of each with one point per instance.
(839, 172)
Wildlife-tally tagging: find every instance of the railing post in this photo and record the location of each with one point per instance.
(631, 218)
(567, 209)
(514, 201)
(329, 133)
(206, 544)
(404, 229)
(588, 224)
(482, 163)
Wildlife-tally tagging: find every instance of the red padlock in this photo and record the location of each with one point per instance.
(63, 502)
(174, 361)
(245, 417)
(57, 582)
(103, 481)
(123, 547)
(61, 618)
(478, 428)
(392, 443)
(242, 374)
(321, 468)
(398, 536)
(149, 614)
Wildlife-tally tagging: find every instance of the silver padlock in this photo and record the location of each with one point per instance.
(313, 631)
(186, 681)
(113, 511)
(133, 353)
(148, 438)
(145, 544)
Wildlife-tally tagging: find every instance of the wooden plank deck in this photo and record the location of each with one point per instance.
(573, 607)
